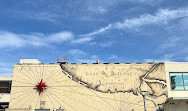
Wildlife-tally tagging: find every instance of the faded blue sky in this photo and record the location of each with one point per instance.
(87, 30)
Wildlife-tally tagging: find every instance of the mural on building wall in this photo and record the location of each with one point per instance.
(88, 87)
(114, 78)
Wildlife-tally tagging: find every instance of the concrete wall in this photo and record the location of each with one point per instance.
(175, 67)
(4, 97)
(29, 61)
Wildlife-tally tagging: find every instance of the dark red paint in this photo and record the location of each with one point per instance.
(41, 86)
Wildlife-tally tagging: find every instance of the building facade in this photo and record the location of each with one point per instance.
(99, 87)
(5, 89)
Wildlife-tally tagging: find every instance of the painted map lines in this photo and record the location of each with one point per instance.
(103, 100)
(81, 102)
(56, 99)
(65, 103)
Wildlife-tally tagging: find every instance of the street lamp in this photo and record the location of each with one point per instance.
(144, 97)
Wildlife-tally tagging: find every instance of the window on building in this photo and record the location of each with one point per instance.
(179, 81)
(5, 86)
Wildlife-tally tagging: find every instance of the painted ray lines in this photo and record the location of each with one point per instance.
(122, 100)
(86, 95)
(89, 95)
(103, 99)
(23, 73)
(45, 98)
(66, 103)
(66, 86)
(129, 103)
(50, 99)
(50, 73)
(21, 91)
(60, 78)
(124, 109)
(37, 101)
(58, 81)
(29, 73)
(32, 72)
(38, 78)
(28, 99)
(23, 82)
(20, 78)
(54, 75)
(40, 73)
(21, 98)
(81, 102)
(126, 100)
(22, 94)
(119, 102)
(33, 98)
(56, 100)
(115, 99)
(60, 89)
(45, 72)
(29, 67)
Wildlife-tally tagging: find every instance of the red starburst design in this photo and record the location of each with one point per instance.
(41, 86)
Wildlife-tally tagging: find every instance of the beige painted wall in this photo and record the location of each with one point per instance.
(89, 87)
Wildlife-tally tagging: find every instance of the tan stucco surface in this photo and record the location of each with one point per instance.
(89, 87)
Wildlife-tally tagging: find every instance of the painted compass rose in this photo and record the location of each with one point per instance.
(41, 86)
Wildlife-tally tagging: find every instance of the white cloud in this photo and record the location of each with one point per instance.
(47, 16)
(98, 9)
(8, 39)
(92, 43)
(101, 30)
(13, 40)
(88, 37)
(160, 17)
(152, 2)
(76, 52)
(105, 44)
(165, 58)
(171, 42)
(59, 37)
(82, 40)
(37, 15)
